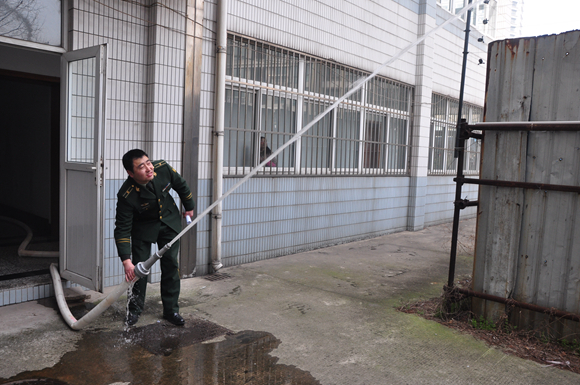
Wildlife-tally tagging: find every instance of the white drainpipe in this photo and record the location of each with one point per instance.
(218, 144)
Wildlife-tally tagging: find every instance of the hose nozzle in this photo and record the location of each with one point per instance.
(142, 269)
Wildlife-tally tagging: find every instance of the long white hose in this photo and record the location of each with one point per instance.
(141, 270)
(113, 296)
(94, 313)
(22, 252)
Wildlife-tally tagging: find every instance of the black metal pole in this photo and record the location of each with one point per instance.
(462, 87)
(458, 153)
(457, 204)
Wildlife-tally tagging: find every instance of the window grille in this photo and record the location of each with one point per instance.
(478, 13)
(272, 92)
(444, 112)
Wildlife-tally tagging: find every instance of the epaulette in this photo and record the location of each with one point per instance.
(129, 191)
(160, 163)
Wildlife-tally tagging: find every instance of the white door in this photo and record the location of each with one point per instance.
(82, 183)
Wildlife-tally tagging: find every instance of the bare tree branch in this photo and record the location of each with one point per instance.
(19, 19)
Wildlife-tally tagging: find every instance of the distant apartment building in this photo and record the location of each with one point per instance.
(497, 19)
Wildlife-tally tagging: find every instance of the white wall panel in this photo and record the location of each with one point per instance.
(448, 61)
(439, 200)
(272, 216)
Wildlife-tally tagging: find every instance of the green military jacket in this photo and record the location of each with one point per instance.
(141, 212)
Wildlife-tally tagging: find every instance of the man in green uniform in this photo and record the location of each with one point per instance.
(146, 214)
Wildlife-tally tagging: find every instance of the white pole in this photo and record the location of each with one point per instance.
(218, 144)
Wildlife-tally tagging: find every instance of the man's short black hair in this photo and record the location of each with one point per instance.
(130, 156)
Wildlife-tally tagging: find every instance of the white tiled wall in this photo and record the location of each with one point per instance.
(145, 88)
(268, 217)
(440, 196)
(448, 61)
(24, 294)
(363, 35)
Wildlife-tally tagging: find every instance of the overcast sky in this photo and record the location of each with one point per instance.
(542, 17)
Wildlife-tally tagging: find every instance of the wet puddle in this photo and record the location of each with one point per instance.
(167, 355)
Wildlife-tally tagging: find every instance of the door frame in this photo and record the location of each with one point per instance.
(88, 271)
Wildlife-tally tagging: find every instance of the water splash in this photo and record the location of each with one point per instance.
(130, 297)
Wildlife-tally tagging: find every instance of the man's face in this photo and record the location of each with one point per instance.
(142, 170)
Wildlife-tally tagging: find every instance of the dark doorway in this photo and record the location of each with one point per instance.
(29, 152)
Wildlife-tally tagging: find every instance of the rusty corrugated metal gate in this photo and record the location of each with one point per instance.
(528, 226)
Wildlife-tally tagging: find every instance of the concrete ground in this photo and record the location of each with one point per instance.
(333, 310)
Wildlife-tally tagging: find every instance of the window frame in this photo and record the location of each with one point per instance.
(320, 83)
(445, 118)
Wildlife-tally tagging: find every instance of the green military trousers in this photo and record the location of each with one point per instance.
(170, 283)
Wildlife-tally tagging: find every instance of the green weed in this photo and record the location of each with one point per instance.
(573, 346)
(482, 324)
(508, 328)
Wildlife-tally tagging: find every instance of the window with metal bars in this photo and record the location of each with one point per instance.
(272, 92)
(444, 112)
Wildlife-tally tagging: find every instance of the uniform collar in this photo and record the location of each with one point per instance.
(142, 189)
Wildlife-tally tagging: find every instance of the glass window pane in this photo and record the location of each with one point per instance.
(277, 127)
(476, 115)
(446, 4)
(438, 146)
(256, 61)
(439, 108)
(375, 127)
(239, 124)
(472, 154)
(453, 111)
(324, 78)
(81, 105)
(451, 161)
(458, 5)
(347, 134)
(312, 76)
(316, 141)
(397, 145)
(38, 21)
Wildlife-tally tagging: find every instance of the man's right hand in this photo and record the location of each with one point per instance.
(129, 270)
